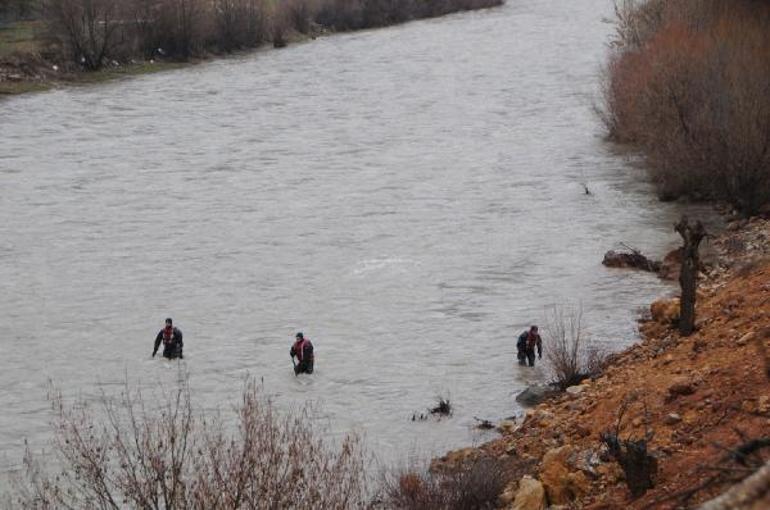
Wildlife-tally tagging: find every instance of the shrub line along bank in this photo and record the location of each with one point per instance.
(688, 83)
(72, 37)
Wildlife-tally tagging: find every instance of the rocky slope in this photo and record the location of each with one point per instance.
(699, 402)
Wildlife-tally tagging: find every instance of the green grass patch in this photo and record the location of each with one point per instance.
(11, 88)
(127, 70)
(20, 37)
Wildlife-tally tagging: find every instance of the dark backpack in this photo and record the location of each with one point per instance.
(522, 342)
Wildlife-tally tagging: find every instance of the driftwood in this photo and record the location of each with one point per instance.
(743, 468)
(753, 492)
(692, 235)
(632, 259)
(483, 424)
(442, 408)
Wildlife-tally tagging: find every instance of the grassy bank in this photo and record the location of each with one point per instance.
(87, 41)
(688, 83)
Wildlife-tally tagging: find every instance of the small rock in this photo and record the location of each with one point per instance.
(530, 495)
(745, 339)
(611, 471)
(681, 386)
(749, 406)
(672, 419)
(561, 483)
(576, 406)
(453, 459)
(508, 494)
(506, 427)
(535, 395)
(763, 404)
(576, 390)
(665, 311)
(581, 431)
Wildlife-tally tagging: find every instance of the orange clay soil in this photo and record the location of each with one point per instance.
(701, 394)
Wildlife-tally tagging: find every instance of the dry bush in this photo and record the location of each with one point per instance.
(341, 15)
(299, 14)
(473, 486)
(125, 455)
(357, 14)
(570, 356)
(95, 31)
(18, 9)
(689, 83)
(88, 30)
(631, 453)
(182, 29)
(240, 24)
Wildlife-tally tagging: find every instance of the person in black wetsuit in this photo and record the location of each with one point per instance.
(172, 341)
(526, 344)
(303, 350)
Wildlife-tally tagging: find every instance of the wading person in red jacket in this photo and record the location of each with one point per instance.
(172, 341)
(303, 350)
(528, 341)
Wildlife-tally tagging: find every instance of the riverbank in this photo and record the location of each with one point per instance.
(36, 55)
(695, 401)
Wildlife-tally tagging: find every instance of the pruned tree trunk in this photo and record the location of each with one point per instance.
(638, 465)
(692, 234)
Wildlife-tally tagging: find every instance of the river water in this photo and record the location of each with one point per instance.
(408, 197)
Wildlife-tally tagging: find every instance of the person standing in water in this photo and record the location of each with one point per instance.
(528, 341)
(172, 341)
(303, 350)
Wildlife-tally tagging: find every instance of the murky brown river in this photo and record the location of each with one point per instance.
(410, 198)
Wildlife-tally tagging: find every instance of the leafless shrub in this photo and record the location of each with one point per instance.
(473, 486)
(181, 27)
(125, 455)
(240, 24)
(299, 14)
(341, 15)
(18, 9)
(688, 84)
(94, 31)
(357, 14)
(88, 30)
(571, 357)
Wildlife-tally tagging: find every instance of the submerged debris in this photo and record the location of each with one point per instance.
(443, 408)
(632, 259)
(483, 424)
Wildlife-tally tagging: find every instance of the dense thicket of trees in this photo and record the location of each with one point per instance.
(17, 9)
(93, 32)
(689, 83)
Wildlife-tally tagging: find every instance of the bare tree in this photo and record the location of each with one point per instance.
(692, 235)
(240, 23)
(125, 454)
(180, 27)
(87, 28)
(570, 355)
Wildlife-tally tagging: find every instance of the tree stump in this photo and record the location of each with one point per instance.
(692, 234)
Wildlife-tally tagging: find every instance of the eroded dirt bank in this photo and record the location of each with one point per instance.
(697, 399)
